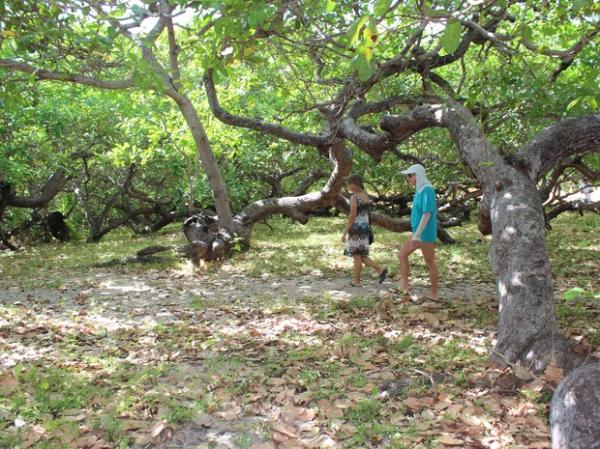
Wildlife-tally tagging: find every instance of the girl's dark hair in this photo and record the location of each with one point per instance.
(357, 180)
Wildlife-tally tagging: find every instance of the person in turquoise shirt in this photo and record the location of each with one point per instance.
(423, 220)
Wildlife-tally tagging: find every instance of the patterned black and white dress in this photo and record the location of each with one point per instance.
(358, 236)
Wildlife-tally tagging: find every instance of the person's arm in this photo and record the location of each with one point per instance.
(424, 220)
(351, 217)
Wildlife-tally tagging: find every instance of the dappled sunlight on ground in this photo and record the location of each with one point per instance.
(271, 349)
(191, 358)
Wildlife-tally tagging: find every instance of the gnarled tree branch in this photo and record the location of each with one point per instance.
(566, 138)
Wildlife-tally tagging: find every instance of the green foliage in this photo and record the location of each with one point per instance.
(265, 64)
(452, 36)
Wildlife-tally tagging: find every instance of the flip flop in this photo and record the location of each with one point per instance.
(352, 284)
(383, 275)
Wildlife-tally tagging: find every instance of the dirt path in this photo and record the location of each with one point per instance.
(118, 303)
(157, 289)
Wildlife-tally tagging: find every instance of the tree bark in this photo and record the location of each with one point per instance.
(575, 410)
(209, 162)
(298, 206)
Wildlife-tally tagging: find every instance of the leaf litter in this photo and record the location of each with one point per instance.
(160, 359)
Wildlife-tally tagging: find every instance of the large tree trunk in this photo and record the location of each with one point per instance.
(527, 327)
(209, 162)
(575, 410)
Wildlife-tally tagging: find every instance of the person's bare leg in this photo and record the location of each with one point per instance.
(428, 250)
(372, 264)
(406, 250)
(357, 269)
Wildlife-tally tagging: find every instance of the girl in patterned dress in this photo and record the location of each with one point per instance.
(356, 233)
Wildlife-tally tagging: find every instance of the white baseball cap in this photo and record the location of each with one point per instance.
(413, 169)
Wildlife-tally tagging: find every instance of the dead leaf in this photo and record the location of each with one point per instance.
(75, 418)
(540, 445)
(30, 438)
(285, 429)
(328, 410)
(133, 424)
(431, 319)
(268, 445)
(356, 396)
(553, 374)
(85, 441)
(8, 384)
(447, 440)
(343, 403)
(303, 398)
(523, 373)
(455, 408)
(471, 420)
(291, 414)
(158, 428)
(318, 442)
(231, 410)
(413, 404)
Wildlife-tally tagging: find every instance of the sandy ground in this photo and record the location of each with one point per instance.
(158, 289)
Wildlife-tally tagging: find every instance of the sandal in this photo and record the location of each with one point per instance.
(352, 284)
(383, 275)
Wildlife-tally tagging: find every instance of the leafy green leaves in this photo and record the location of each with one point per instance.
(381, 7)
(354, 31)
(363, 66)
(451, 36)
(363, 62)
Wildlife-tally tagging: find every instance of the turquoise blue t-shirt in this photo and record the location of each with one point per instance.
(424, 201)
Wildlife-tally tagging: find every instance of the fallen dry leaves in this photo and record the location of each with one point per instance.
(287, 377)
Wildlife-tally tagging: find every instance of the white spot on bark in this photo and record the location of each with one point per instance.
(569, 399)
(508, 195)
(508, 232)
(502, 289)
(516, 279)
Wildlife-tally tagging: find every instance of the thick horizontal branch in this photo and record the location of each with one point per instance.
(569, 206)
(42, 74)
(361, 108)
(374, 144)
(312, 177)
(298, 206)
(401, 127)
(566, 138)
(257, 124)
(53, 186)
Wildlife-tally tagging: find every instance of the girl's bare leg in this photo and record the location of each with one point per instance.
(428, 250)
(357, 269)
(372, 264)
(406, 250)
